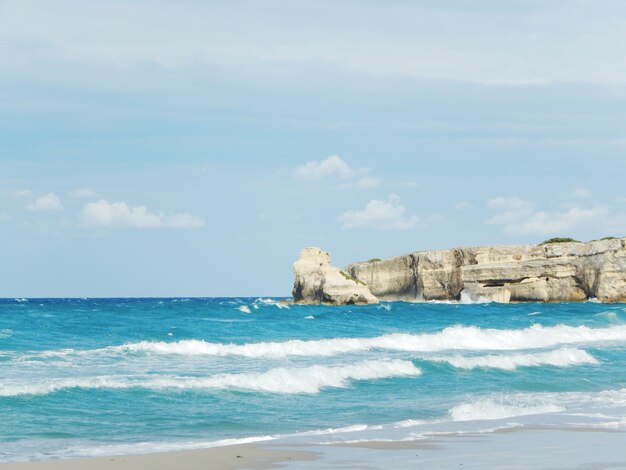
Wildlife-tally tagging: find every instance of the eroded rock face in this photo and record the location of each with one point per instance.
(316, 281)
(546, 273)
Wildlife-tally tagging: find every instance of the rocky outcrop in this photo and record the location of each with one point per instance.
(545, 273)
(316, 281)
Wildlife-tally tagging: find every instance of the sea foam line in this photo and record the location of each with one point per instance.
(279, 380)
(490, 409)
(471, 338)
(563, 357)
(458, 337)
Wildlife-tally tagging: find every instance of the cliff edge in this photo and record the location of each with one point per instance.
(560, 272)
(316, 281)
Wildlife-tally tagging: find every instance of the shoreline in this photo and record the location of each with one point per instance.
(551, 447)
(228, 457)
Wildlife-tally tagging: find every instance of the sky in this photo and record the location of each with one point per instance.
(192, 148)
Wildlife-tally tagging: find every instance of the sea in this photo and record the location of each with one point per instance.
(97, 377)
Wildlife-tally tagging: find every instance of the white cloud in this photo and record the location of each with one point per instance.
(50, 202)
(519, 217)
(82, 193)
(367, 183)
(544, 223)
(332, 167)
(425, 40)
(120, 214)
(463, 205)
(335, 168)
(511, 209)
(22, 193)
(581, 193)
(379, 215)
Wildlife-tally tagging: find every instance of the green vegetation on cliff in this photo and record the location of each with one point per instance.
(559, 240)
(350, 278)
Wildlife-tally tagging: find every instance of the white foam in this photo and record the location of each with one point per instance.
(563, 357)
(468, 297)
(154, 447)
(244, 309)
(469, 338)
(6, 333)
(407, 423)
(280, 380)
(522, 404)
(490, 409)
(346, 429)
(458, 337)
(275, 303)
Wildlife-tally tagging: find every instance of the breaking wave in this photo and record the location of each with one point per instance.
(460, 338)
(490, 409)
(563, 357)
(280, 380)
(523, 404)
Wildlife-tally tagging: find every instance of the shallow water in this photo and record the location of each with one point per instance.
(85, 377)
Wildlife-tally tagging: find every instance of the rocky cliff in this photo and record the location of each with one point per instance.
(316, 281)
(546, 273)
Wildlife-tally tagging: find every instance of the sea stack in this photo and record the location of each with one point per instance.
(317, 282)
(551, 272)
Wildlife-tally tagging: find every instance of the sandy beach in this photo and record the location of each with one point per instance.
(216, 458)
(517, 448)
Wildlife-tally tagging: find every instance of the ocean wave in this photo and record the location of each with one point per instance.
(276, 303)
(6, 333)
(280, 380)
(469, 338)
(611, 317)
(454, 338)
(133, 448)
(523, 404)
(490, 409)
(563, 357)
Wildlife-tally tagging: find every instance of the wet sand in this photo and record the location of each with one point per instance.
(536, 447)
(215, 458)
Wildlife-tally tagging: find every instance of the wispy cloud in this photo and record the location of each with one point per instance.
(367, 182)
(440, 40)
(463, 206)
(49, 203)
(331, 167)
(120, 214)
(581, 193)
(379, 215)
(520, 217)
(334, 168)
(22, 193)
(82, 193)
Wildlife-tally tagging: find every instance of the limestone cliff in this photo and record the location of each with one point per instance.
(316, 281)
(546, 273)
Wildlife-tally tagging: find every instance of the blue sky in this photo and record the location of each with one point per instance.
(154, 148)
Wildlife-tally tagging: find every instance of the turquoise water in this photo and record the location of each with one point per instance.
(83, 377)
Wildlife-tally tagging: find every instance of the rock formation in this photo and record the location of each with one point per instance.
(316, 281)
(557, 272)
